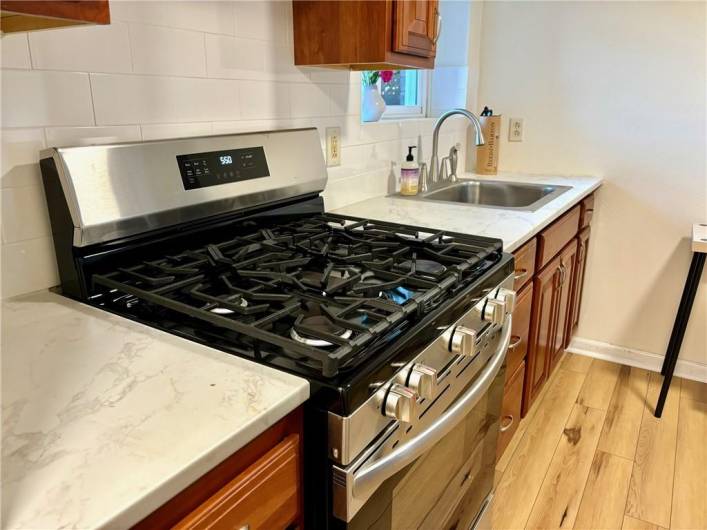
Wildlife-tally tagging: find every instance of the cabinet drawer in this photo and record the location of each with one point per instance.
(510, 409)
(520, 331)
(525, 263)
(266, 495)
(556, 236)
(586, 211)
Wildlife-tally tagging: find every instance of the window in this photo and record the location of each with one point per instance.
(405, 95)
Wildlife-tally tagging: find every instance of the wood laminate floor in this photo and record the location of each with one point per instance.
(591, 455)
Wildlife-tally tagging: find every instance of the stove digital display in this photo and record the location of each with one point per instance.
(201, 170)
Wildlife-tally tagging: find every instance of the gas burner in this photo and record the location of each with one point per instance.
(319, 323)
(225, 311)
(398, 295)
(423, 266)
(334, 279)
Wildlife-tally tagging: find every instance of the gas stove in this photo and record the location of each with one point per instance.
(310, 296)
(224, 240)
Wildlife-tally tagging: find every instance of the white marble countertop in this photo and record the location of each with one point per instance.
(104, 419)
(514, 227)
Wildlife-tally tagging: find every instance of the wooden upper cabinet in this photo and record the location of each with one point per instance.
(416, 27)
(366, 34)
(24, 15)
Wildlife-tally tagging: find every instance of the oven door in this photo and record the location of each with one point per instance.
(441, 477)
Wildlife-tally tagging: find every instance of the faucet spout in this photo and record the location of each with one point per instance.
(435, 168)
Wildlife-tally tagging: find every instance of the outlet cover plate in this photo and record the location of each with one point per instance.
(515, 130)
(333, 146)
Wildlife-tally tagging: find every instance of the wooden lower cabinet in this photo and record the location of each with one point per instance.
(518, 347)
(578, 283)
(568, 268)
(543, 327)
(258, 487)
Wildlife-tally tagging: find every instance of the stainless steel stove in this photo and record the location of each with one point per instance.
(401, 331)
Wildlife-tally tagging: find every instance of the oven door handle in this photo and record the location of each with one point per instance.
(369, 477)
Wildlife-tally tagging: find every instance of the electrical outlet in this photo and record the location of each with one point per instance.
(515, 130)
(333, 146)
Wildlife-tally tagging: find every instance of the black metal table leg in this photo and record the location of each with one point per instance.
(678, 333)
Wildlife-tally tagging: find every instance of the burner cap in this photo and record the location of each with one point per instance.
(320, 323)
(225, 311)
(425, 266)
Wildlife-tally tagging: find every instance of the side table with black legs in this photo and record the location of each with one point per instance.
(699, 250)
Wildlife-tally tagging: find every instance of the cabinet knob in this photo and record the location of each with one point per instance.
(463, 341)
(400, 404)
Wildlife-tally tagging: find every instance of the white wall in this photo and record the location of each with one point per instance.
(615, 89)
(169, 69)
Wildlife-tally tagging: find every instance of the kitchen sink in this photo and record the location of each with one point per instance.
(497, 194)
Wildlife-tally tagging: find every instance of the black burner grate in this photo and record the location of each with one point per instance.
(365, 278)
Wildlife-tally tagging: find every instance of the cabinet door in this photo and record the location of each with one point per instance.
(264, 496)
(518, 347)
(415, 27)
(568, 267)
(543, 329)
(27, 15)
(578, 282)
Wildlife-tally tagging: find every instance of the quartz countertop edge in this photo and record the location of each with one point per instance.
(106, 419)
(514, 227)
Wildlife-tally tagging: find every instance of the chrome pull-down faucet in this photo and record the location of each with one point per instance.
(435, 167)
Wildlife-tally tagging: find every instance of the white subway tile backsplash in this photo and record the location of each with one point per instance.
(309, 100)
(14, 51)
(123, 99)
(361, 187)
(82, 49)
(231, 57)
(38, 99)
(175, 130)
(24, 214)
(202, 15)
(167, 51)
(230, 127)
(20, 157)
(28, 266)
(71, 136)
(263, 20)
(260, 100)
(345, 99)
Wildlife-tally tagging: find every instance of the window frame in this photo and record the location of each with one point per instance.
(396, 112)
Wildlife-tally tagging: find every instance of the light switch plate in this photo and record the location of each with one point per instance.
(333, 146)
(515, 130)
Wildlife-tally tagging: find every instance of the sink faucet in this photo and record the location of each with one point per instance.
(435, 167)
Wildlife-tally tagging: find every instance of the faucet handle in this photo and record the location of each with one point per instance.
(453, 160)
(444, 169)
(423, 185)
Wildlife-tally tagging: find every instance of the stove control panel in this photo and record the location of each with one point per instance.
(201, 170)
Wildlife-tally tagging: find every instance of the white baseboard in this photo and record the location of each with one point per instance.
(637, 358)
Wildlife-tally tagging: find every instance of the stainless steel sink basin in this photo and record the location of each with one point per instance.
(497, 194)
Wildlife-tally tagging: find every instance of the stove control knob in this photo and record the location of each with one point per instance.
(422, 380)
(494, 311)
(463, 341)
(508, 297)
(400, 404)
